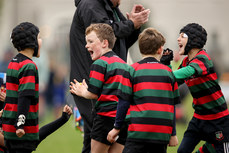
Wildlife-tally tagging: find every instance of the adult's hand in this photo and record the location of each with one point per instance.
(139, 8)
(138, 16)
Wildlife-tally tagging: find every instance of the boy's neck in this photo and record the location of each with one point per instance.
(27, 52)
(192, 53)
(106, 50)
(157, 56)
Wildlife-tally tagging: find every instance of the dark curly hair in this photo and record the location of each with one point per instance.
(24, 36)
(197, 36)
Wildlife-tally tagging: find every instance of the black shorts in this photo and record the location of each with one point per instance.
(27, 146)
(212, 131)
(144, 147)
(102, 125)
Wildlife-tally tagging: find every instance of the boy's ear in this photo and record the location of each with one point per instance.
(105, 43)
(160, 50)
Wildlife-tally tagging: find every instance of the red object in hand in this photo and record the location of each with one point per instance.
(3, 89)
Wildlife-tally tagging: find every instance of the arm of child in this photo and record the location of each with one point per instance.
(184, 72)
(173, 139)
(23, 109)
(49, 128)
(81, 90)
(1, 131)
(122, 109)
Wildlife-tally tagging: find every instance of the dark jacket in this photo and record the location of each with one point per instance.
(97, 11)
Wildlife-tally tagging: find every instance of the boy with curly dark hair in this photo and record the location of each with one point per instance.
(20, 114)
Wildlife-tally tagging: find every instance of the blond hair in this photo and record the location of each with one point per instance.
(103, 32)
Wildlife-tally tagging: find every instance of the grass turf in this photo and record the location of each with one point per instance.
(65, 140)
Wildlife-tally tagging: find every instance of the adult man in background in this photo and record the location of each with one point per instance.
(126, 31)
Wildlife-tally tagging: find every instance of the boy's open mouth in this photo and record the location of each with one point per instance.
(91, 52)
(180, 45)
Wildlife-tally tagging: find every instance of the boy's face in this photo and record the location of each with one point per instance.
(94, 45)
(182, 41)
(39, 44)
(160, 51)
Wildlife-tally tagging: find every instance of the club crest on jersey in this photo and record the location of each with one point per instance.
(219, 135)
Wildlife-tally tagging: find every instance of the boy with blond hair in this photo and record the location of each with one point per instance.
(109, 84)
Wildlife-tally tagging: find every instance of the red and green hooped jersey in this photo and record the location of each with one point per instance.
(207, 148)
(109, 79)
(208, 100)
(155, 92)
(1, 150)
(21, 80)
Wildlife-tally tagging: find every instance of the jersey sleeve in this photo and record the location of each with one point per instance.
(201, 64)
(176, 94)
(96, 78)
(27, 80)
(184, 72)
(125, 85)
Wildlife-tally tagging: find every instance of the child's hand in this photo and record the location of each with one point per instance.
(2, 96)
(1, 113)
(167, 56)
(20, 132)
(78, 88)
(84, 84)
(113, 135)
(1, 131)
(67, 109)
(173, 141)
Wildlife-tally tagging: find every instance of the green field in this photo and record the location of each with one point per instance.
(68, 140)
(65, 140)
